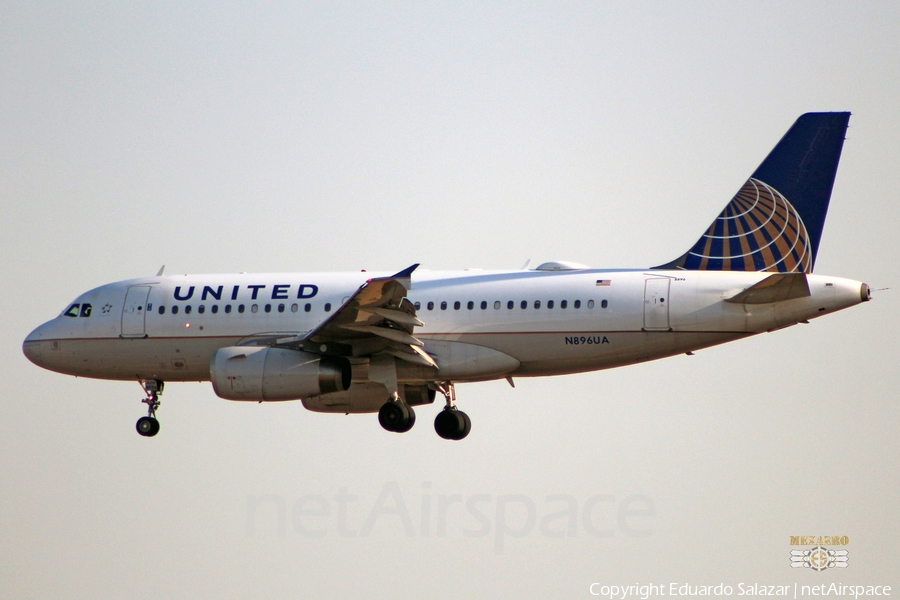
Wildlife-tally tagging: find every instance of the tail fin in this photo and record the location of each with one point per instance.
(774, 223)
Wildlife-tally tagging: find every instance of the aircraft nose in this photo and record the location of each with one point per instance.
(32, 346)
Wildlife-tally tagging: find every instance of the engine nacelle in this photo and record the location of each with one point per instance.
(367, 397)
(262, 373)
(364, 397)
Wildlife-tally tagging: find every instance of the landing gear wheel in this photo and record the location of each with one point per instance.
(466, 428)
(411, 420)
(447, 423)
(147, 426)
(396, 416)
(452, 424)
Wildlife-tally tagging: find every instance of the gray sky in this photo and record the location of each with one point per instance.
(222, 138)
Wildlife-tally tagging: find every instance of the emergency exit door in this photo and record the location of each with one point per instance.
(656, 304)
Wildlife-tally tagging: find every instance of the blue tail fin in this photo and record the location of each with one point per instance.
(774, 223)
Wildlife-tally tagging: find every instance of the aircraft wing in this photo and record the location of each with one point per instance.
(377, 318)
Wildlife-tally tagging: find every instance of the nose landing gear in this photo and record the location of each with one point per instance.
(148, 426)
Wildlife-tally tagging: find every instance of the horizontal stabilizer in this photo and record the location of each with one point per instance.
(774, 288)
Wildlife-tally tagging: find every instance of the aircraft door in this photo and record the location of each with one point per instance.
(134, 311)
(656, 304)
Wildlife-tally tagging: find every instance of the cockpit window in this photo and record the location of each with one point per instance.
(78, 310)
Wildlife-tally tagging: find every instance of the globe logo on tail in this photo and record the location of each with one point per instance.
(759, 230)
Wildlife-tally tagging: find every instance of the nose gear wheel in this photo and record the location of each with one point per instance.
(147, 426)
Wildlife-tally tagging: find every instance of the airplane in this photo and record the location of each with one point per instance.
(359, 342)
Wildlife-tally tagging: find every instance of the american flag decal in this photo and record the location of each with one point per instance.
(604, 281)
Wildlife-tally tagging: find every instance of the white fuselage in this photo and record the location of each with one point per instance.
(477, 324)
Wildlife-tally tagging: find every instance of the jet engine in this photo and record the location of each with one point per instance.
(263, 373)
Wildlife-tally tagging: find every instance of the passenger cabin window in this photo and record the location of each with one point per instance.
(175, 310)
(240, 308)
(470, 305)
(604, 304)
(227, 309)
(281, 307)
(456, 305)
(444, 305)
(162, 309)
(510, 305)
(328, 307)
(563, 303)
(294, 307)
(254, 308)
(431, 306)
(483, 304)
(307, 307)
(201, 309)
(590, 304)
(215, 308)
(549, 303)
(524, 304)
(537, 303)
(496, 305)
(418, 305)
(577, 304)
(187, 309)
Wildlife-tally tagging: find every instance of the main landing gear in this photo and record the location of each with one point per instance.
(396, 415)
(148, 426)
(451, 423)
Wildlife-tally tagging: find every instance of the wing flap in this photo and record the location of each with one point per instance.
(386, 332)
(397, 316)
(377, 302)
(378, 318)
(417, 357)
